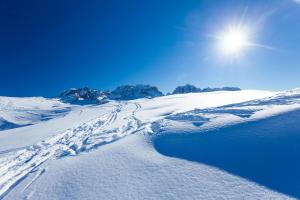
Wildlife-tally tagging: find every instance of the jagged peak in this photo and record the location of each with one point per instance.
(188, 88)
(87, 95)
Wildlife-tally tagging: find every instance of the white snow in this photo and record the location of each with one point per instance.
(39, 162)
(16, 112)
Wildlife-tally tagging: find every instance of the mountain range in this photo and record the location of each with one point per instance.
(86, 95)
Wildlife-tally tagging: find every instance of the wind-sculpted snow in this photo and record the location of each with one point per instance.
(264, 151)
(4, 124)
(23, 164)
(84, 137)
(244, 111)
(256, 140)
(18, 112)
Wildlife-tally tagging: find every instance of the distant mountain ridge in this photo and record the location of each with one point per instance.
(130, 92)
(193, 89)
(126, 92)
(86, 95)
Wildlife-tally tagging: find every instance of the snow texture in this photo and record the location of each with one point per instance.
(149, 148)
(18, 112)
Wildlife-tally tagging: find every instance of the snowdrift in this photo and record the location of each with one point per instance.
(17, 112)
(264, 151)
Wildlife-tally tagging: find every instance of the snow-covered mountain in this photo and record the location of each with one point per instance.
(85, 96)
(186, 89)
(193, 89)
(130, 92)
(216, 145)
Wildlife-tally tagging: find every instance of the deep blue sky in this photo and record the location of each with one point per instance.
(48, 46)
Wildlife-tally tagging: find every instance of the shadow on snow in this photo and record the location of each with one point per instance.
(266, 151)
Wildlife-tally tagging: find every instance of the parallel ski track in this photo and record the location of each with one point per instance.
(82, 138)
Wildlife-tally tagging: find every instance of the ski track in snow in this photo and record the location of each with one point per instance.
(16, 164)
(107, 128)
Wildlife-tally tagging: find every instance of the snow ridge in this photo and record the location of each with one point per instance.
(193, 89)
(85, 96)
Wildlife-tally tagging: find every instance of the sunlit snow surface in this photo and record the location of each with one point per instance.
(189, 146)
(18, 112)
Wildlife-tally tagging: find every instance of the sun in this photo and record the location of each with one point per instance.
(233, 41)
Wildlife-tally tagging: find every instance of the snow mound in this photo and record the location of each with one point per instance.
(4, 124)
(263, 151)
(17, 112)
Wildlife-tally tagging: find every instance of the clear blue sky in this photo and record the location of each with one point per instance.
(48, 46)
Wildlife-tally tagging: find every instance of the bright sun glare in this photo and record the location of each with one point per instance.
(233, 41)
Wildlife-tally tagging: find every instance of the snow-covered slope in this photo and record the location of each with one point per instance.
(39, 162)
(17, 112)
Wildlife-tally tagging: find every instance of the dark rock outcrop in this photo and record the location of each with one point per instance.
(193, 89)
(83, 96)
(129, 92)
(186, 89)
